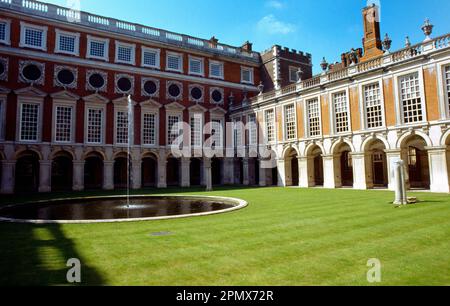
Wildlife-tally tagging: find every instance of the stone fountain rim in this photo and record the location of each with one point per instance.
(238, 204)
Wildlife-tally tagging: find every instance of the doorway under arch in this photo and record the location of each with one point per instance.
(195, 172)
(291, 168)
(62, 172)
(27, 172)
(149, 171)
(93, 171)
(173, 171)
(415, 156)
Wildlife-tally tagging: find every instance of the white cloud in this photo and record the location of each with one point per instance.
(271, 25)
(276, 4)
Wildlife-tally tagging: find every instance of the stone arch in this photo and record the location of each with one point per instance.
(288, 149)
(95, 153)
(445, 139)
(337, 144)
(414, 153)
(27, 171)
(313, 146)
(21, 152)
(401, 140)
(369, 140)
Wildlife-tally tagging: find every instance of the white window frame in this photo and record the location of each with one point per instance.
(24, 100)
(180, 57)
(62, 103)
(58, 35)
(103, 120)
(172, 113)
(444, 103)
(398, 100)
(101, 40)
(157, 57)
(222, 70)
(250, 132)
(273, 110)
(222, 138)
(306, 118)
(24, 26)
(156, 114)
(121, 109)
(7, 40)
(202, 65)
(362, 104)
(285, 132)
(201, 117)
(133, 53)
(333, 112)
(295, 69)
(251, 71)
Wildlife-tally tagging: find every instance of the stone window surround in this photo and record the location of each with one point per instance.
(64, 103)
(59, 33)
(29, 100)
(24, 26)
(7, 40)
(133, 53)
(91, 38)
(57, 83)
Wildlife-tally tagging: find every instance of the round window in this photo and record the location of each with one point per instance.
(32, 72)
(150, 87)
(96, 80)
(196, 93)
(2, 68)
(216, 96)
(66, 77)
(174, 90)
(124, 84)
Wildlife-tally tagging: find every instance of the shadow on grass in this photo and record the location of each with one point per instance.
(37, 256)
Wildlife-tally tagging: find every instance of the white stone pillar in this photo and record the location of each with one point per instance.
(185, 172)
(438, 169)
(45, 175)
(208, 173)
(303, 172)
(246, 171)
(108, 175)
(136, 174)
(281, 173)
(359, 171)
(8, 176)
(392, 156)
(329, 172)
(78, 175)
(162, 172)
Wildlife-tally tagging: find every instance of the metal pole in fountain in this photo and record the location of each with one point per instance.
(400, 183)
(130, 142)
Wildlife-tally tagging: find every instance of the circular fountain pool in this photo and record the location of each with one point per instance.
(118, 209)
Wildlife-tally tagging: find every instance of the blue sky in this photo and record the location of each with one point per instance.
(320, 27)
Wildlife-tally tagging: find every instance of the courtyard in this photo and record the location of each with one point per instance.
(286, 236)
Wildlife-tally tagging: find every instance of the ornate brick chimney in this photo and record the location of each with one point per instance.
(372, 37)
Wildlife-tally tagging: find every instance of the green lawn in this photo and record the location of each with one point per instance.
(284, 237)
